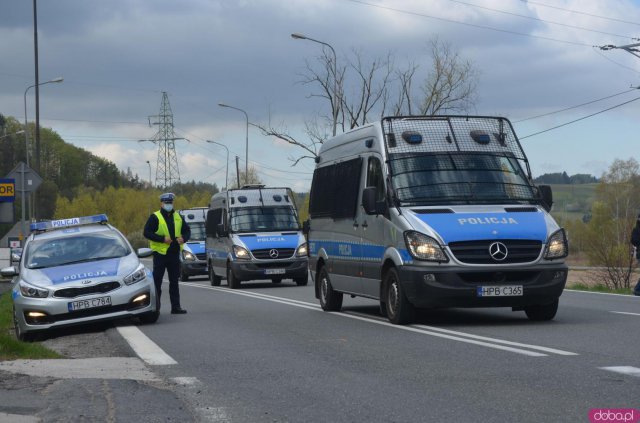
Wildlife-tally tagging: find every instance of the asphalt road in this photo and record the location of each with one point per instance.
(267, 353)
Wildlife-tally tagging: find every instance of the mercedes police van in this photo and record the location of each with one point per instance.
(433, 211)
(78, 271)
(193, 258)
(253, 233)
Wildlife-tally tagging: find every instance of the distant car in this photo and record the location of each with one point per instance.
(78, 271)
(16, 253)
(193, 259)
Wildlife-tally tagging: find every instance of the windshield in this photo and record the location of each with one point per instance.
(459, 178)
(197, 231)
(75, 249)
(255, 219)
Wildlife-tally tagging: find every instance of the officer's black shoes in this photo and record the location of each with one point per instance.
(178, 311)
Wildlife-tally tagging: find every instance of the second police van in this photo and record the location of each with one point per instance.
(427, 212)
(253, 233)
(193, 258)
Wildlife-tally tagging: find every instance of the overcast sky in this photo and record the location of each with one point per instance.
(118, 56)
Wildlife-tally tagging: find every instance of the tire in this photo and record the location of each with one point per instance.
(152, 316)
(542, 312)
(399, 310)
(302, 281)
(215, 280)
(383, 309)
(22, 336)
(276, 280)
(232, 281)
(330, 300)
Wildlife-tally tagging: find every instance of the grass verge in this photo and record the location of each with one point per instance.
(600, 288)
(10, 347)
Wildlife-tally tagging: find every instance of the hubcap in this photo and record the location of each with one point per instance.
(392, 304)
(324, 287)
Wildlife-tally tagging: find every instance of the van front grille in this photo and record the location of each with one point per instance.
(266, 253)
(477, 252)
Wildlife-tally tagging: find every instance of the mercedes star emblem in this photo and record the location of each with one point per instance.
(498, 251)
(273, 253)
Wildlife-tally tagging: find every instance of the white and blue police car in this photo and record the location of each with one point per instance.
(77, 271)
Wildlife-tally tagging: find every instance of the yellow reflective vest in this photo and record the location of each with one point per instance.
(163, 230)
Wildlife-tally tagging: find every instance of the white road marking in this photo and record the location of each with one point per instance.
(424, 330)
(144, 347)
(625, 312)
(625, 370)
(186, 381)
(598, 293)
(18, 418)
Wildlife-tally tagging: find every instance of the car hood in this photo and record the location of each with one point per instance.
(80, 273)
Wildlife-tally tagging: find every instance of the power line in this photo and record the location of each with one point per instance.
(580, 13)
(533, 18)
(595, 49)
(576, 106)
(582, 118)
(408, 12)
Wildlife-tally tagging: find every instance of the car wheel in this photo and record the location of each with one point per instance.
(542, 312)
(276, 280)
(303, 280)
(215, 280)
(232, 281)
(383, 309)
(20, 334)
(399, 310)
(330, 300)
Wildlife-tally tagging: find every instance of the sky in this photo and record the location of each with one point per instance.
(538, 64)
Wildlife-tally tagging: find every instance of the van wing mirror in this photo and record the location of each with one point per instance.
(221, 230)
(306, 227)
(369, 200)
(546, 195)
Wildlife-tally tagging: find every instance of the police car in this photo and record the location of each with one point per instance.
(76, 271)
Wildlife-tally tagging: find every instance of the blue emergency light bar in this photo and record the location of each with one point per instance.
(67, 223)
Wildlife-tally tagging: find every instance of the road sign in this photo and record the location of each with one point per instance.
(7, 190)
(31, 179)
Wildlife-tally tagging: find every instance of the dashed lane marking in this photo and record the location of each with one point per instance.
(144, 347)
(625, 370)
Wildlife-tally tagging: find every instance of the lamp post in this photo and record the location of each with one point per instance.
(26, 135)
(246, 154)
(150, 182)
(9, 135)
(297, 36)
(226, 178)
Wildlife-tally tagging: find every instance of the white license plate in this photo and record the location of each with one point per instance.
(274, 271)
(499, 291)
(90, 303)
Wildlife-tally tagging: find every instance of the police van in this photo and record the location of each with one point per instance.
(253, 233)
(78, 271)
(193, 258)
(429, 212)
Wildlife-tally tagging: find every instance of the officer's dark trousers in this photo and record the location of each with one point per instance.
(170, 262)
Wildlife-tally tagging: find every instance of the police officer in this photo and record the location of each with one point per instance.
(167, 232)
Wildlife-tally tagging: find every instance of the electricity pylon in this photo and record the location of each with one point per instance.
(167, 170)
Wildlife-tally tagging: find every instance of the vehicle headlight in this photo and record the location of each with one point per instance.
(302, 250)
(32, 291)
(138, 275)
(241, 253)
(188, 255)
(423, 247)
(557, 246)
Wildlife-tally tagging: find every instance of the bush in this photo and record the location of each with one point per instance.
(137, 240)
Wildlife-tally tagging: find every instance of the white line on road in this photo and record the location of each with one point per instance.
(625, 312)
(625, 370)
(425, 330)
(144, 347)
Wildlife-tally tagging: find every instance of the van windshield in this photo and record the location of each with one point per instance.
(459, 178)
(197, 231)
(260, 219)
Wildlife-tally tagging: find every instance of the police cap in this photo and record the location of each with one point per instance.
(167, 197)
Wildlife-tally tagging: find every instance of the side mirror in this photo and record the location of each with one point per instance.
(221, 230)
(144, 252)
(546, 195)
(9, 272)
(306, 227)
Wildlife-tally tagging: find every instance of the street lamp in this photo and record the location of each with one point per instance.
(246, 154)
(297, 36)
(9, 135)
(26, 135)
(226, 178)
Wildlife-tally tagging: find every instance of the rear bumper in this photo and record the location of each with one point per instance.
(430, 287)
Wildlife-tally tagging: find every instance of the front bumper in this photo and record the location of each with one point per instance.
(192, 268)
(263, 269)
(429, 287)
(57, 314)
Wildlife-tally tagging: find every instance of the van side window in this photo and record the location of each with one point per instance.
(335, 190)
(213, 218)
(375, 177)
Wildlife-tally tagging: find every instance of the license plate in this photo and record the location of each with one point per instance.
(274, 271)
(90, 303)
(499, 291)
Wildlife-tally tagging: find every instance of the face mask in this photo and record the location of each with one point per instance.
(167, 207)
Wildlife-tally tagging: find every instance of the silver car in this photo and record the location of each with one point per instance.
(77, 271)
